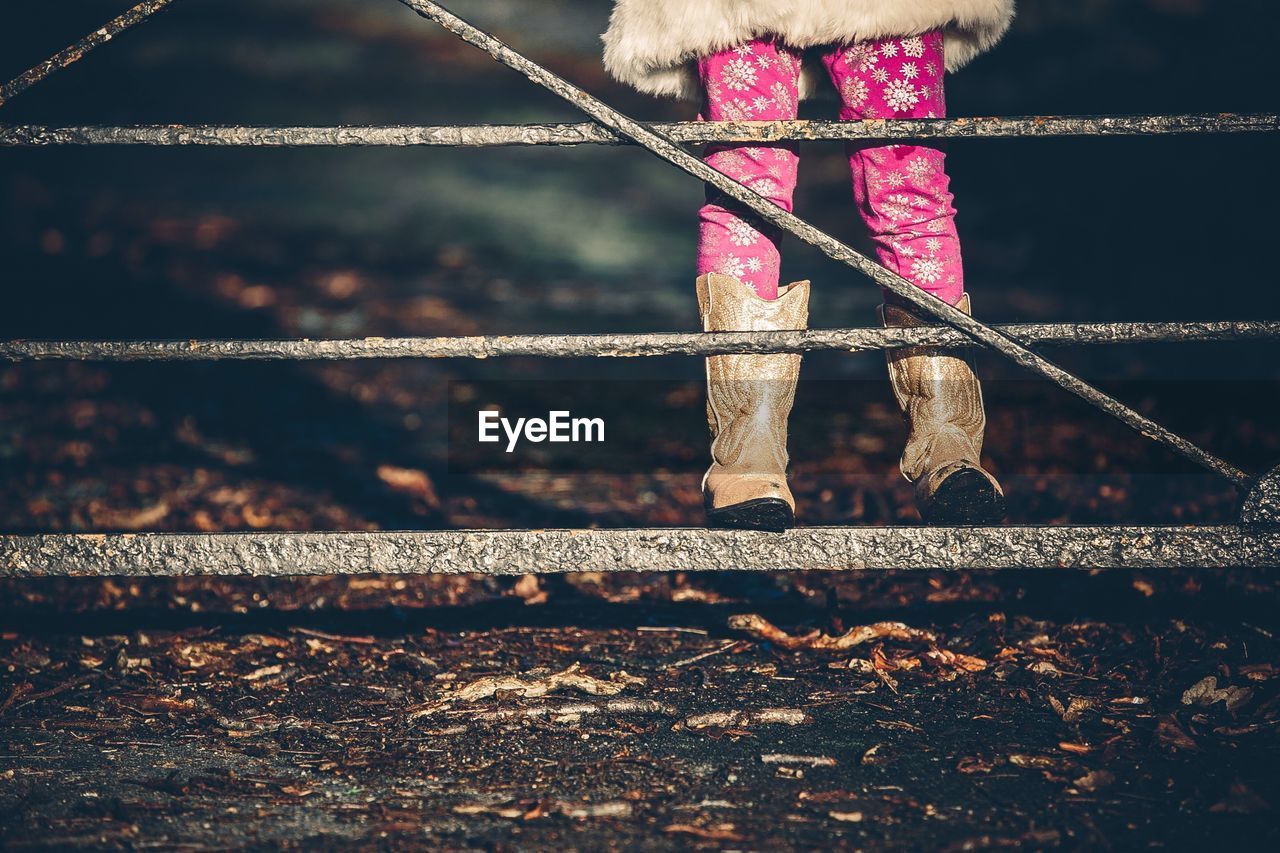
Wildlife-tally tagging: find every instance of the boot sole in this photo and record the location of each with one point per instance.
(772, 514)
(965, 498)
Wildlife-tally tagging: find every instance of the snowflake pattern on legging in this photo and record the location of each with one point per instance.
(901, 191)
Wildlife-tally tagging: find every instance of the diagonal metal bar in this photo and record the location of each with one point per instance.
(63, 58)
(590, 133)
(626, 345)
(669, 151)
(503, 552)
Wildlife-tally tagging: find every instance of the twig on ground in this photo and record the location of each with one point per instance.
(572, 712)
(531, 688)
(761, 628)
(807, 760)
(334, 638)
(746, 719)
(526, 811)
(29, 698)
(726, 647)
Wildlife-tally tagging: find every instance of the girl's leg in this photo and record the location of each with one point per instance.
(757, 81)
(901, 190)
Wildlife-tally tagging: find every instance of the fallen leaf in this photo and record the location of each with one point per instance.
(945, 657)
(1241, 799)
(482, 808)
(137, 519)
(720, 832)
(263, 672)
(410, 481)
(1172, 736)
(1040, 762)
(1144, 586)
(581, 811)
(1206, 692)
(1094, 780)
(874, 758)
(866, 667)
(1077, 707)
(1258, 671)
(1194, 694)
(571, 678)
(1044, 667)
(973, 764)
(529, 588)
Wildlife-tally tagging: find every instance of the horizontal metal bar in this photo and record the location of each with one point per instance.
(590, 133)
(508, 552)
(623, 345)
(63, 58)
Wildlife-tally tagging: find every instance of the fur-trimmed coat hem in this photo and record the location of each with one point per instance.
(654, 45)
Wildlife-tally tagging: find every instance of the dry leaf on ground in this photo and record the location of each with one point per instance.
(571, 678)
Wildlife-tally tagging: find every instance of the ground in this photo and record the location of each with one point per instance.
(1046, 710)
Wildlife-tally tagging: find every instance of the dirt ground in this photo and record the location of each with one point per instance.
(1035, 711)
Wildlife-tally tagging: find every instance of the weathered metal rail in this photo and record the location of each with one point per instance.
(627, 345)
(63, 58)
(590, 133)
(508, 552)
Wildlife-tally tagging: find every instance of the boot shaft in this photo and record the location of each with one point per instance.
(940, 398)
(749, 396)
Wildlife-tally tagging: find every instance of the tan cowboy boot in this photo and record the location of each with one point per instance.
(941, 401)
(748, 400)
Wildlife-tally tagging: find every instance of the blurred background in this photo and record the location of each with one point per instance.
(117, 243)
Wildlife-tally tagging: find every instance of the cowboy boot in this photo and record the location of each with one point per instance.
(748, 400)
(941, 402)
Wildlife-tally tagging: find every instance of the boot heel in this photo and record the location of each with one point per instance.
(966, 497)
(772, 514)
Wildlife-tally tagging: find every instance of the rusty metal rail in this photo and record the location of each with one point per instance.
(513, 552)
(627, 345)
(590, 133)
(63, 58)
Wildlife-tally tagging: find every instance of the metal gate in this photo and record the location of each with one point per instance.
(1253, 541)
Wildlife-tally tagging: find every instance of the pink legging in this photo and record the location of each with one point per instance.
(900, 190)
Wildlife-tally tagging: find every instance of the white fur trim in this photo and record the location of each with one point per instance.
(653, 45)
